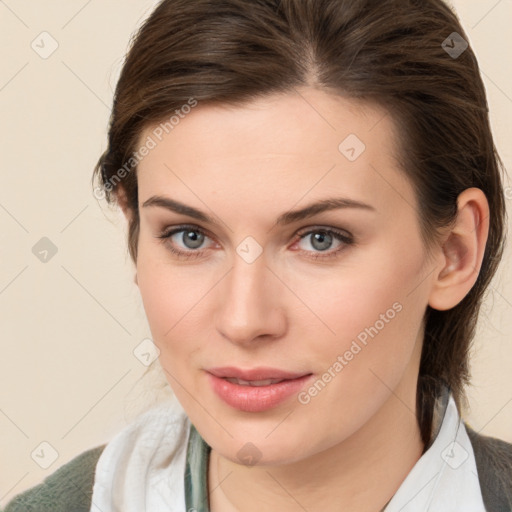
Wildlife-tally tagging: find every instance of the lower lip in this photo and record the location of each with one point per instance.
(256, 398)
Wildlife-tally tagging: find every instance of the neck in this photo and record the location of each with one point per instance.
(361, 473)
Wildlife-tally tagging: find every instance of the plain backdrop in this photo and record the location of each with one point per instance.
(72, 325)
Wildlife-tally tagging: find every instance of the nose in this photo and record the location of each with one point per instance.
(250, 307)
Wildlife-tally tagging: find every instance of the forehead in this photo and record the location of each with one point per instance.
(280, 147)
(295, 122)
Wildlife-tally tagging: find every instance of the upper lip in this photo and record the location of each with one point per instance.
(259, 373)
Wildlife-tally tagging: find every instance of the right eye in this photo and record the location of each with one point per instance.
(184, 241)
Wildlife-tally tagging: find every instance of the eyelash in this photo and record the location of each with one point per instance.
(165, 235)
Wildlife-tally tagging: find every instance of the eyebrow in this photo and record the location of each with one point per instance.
(286, 218)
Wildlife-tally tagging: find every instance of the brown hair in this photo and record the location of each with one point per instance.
(390, 52)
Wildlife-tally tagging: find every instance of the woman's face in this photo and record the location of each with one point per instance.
(331, 300)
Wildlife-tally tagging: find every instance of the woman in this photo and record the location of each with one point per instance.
(315, 210)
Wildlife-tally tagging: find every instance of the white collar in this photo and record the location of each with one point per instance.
(445, 478)
(142, 468)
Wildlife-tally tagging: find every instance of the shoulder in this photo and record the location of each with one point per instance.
(140, 444)
(69, 488)
(494, 464)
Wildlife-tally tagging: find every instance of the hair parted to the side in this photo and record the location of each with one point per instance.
(388, 52)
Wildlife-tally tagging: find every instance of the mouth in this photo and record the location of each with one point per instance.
(257, 389)
(259, 374)
(265, 382)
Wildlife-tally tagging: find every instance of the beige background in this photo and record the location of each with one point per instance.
(70, 326)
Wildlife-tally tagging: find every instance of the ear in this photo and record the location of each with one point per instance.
(462, 252)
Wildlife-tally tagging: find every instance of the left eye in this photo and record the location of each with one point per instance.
(322, 240)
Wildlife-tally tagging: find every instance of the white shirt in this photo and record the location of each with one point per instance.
(142, 468)
(445, 478)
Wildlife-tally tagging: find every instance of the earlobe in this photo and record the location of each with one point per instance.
(462, 251)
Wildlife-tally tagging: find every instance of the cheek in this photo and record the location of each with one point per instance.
(159, 296)
(376, 321)
(166, 289)
(166, 295)
(370, 312)
(174, 301)
(172, 311)
(354, 296)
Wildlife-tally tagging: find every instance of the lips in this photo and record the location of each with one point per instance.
(257, 389)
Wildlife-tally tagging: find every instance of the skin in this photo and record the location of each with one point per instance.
(352, 444)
